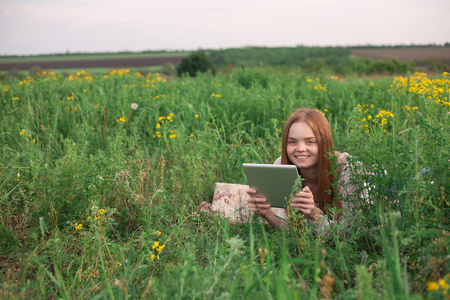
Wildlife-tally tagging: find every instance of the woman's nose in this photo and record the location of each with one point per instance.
(301, 147)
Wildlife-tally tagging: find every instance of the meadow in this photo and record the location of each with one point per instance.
(101, 177)
(86, 56)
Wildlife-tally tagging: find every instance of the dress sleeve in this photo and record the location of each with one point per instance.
(348, 190)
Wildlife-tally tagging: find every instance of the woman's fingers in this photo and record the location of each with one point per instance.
(304, 195)
(250, 191)
(304, 202)
(303, 205)
(259, 206)
(258, 202)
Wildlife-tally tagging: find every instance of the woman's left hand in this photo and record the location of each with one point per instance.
(304, 202)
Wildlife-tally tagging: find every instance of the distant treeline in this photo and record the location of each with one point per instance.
(68, 52)
(283, 56)
(310, 59)
(314, 59)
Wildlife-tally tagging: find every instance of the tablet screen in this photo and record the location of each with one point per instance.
(274, 182)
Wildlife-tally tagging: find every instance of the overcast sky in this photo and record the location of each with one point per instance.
(57, 26)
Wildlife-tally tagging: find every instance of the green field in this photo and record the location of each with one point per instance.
(87, 56)
(98, 200)
(97, 71)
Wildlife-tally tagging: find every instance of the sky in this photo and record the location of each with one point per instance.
(30, 27)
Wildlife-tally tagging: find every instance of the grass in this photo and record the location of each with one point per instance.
(91, 190)
(24, 73)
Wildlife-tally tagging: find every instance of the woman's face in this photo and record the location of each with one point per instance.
(302, 148)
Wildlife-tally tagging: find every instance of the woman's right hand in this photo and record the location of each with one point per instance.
(257, 205)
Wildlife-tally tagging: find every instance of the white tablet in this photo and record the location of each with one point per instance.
(273, 182)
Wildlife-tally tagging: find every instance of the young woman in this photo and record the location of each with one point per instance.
(306, 143)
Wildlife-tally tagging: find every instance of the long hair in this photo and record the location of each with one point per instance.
(322, 131)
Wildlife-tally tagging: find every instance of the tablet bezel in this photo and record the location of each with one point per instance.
(273, 182)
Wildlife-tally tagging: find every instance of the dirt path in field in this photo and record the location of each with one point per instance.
(100, 63)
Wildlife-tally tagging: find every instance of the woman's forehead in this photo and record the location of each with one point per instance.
(301, 130)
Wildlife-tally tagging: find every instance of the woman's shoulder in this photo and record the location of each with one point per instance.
(278, 161)
(341, 157)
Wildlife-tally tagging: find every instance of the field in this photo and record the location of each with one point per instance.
(101, 177)
(339, 60)
(403, 54)
(90, 61)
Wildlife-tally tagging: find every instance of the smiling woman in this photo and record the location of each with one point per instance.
(307, 142)
(301, 148)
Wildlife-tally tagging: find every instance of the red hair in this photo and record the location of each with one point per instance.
(321, 128)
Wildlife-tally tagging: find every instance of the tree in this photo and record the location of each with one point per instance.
(194, 63)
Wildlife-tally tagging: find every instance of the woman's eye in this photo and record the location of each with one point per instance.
(311, 142)
(291, 142)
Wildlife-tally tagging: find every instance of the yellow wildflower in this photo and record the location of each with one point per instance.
(443, 284)
(78, 226)
(160, 248)
(155, 244)
(153, 256)
(432, 286)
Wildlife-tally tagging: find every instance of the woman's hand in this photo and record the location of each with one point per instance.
(304, 202)
(259, 206)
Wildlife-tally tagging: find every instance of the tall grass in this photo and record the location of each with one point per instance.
(91, 190)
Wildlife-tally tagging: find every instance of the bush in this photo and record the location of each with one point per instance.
(369, 66)
(194, 63)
